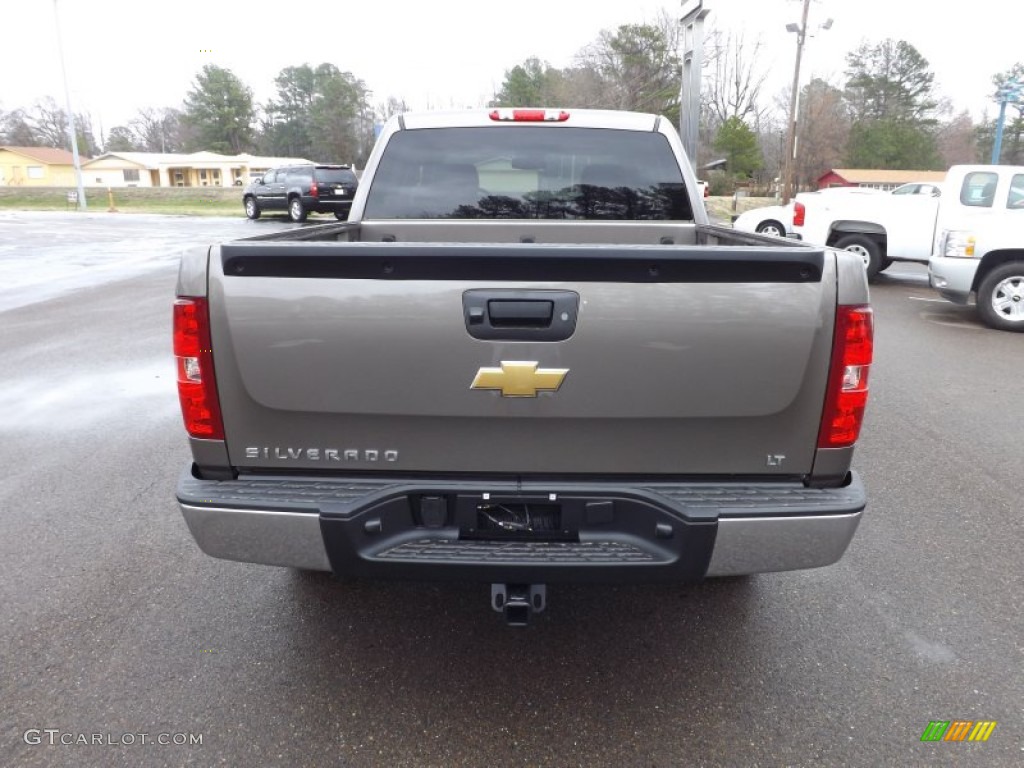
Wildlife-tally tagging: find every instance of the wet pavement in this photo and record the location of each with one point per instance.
(115, 625)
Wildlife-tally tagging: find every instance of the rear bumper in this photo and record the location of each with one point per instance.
(325, 204)
(952, 277)
(610, 532)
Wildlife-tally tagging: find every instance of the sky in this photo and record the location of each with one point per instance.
(122, 55)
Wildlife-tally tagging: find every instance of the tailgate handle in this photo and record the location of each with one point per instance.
(520, 315)
(509, 313)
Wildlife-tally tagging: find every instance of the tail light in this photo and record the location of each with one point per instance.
(314, 191)
(847, 394)
(799, 211)
(197, 385)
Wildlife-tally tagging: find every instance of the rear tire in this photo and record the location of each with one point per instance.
(771, 227)
(1001, 297)
(296, 210)
(252, 208)
(865, 247)
(341, 216)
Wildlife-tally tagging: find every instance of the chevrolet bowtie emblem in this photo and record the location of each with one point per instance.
(519, 378)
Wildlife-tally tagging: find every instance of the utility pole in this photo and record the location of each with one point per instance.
(790, 164)
(71, 114)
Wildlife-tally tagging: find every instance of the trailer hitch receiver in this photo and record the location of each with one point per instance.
(517, 601)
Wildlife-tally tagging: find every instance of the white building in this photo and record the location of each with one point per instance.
(158, 169)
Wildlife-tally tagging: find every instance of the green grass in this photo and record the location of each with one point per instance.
(720, 208)
(219, 201)
(181, 201)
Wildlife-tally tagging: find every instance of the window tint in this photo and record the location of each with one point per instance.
(340, 175)
(528, 172)
(269, 177)
(979, 189)
(1015, 199)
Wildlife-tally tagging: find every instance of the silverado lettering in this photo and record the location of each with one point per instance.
(320, 454)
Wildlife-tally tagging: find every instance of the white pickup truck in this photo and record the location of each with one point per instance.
(881, 228)
(978, 245)
(971, 235)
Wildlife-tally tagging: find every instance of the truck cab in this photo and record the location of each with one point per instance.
(978, 244)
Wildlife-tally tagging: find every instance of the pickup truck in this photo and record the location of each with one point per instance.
(527, 358)
(880, 228)
(979, 243)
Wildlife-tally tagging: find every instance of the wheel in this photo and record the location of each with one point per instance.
(771, 227)
(341, 216)
(866, 248)
(1001, 297)
(296, 210)
(252, 208)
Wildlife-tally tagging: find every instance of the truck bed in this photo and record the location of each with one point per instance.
(675, 358)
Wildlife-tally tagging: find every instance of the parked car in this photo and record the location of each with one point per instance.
(301, 190)
(919, 188)
(778, 219)
(769, 220)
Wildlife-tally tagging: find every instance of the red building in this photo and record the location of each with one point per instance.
(874, 178)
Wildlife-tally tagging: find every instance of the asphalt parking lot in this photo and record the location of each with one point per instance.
(114, 622)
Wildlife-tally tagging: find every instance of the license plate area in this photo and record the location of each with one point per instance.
(516, 518)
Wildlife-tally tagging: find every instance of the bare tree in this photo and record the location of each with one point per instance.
(771, 137)
(733, 78)
(50, 123)
(388, 109)
(16, 129)
(636, 66)
(579, 86)
(823, 130)
(958, 140)
(46, 125)
(158, 130)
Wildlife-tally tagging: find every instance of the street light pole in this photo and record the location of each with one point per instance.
(790, 160)
(71, 114)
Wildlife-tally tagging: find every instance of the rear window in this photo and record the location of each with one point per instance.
(299, 174)
(338, 175)
(520, 172)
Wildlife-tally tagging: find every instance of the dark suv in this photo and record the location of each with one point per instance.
(301, 189)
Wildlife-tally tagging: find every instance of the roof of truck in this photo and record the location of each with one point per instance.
(577, 118)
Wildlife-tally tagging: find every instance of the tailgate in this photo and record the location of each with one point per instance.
(586, 359)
